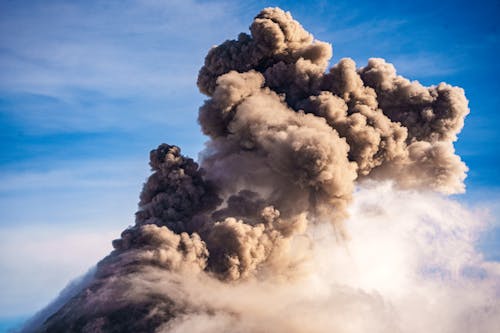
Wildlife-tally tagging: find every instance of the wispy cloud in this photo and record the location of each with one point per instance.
(365, 30)
(38, 261)
(58, 220)
(79, 193)
(75, 175)
(423, 65)
(143, 47)
(133, 60)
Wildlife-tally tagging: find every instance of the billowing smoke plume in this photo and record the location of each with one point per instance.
(254, 238)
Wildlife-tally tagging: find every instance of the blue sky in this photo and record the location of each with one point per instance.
(88, 88)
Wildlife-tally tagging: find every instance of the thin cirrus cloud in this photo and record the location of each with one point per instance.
(124, 69)
(128, 58)
(48, 253)
(75, 210)
(103, 47)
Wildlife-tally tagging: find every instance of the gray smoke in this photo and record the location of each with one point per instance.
(289, 142)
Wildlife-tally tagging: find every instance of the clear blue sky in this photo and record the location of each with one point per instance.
(88, 88)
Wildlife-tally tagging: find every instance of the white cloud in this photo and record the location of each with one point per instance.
(38, 261)
(411, 265)
(76, 175)
(114, 65)
(423, 65)
(135, 47)
(80, 193)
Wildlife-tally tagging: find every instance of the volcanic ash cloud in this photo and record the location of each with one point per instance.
(266, 235)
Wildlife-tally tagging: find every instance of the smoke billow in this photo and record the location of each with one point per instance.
(268, 232)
